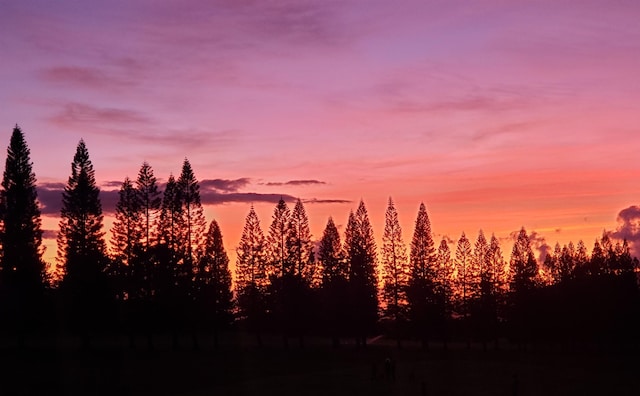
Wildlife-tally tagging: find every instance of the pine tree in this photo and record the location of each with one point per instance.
(299, 248)
(464, 276)
(523, 265)
(444, 279)
(361, 255)
(251, 274)
(424, 307)
(150, 201)
(277, 241)
(499, 272)
(192, 217)
(330, 257)
(480, 270)
(334, 287)
(214, 278)
(21, 247)
(170, 221)
(126, 241)
(395, 266)
(81, 248)
(23, 275)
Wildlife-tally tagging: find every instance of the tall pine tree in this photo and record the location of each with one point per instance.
(360, 248)
(82, 254)
(22, 267)
(251, 275)
(213, 278)
(277, 240)
(395, 266)
(150, 201)
(22, 271)
(422, 299)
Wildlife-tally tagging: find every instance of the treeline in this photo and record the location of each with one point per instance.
(167, 271)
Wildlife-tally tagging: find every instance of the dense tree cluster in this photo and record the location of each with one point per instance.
(166, 271)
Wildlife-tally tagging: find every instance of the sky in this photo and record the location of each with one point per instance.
(496, 114)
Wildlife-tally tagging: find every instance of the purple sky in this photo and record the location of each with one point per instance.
(496, 114)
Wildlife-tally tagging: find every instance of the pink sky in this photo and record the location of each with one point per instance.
(496, 114)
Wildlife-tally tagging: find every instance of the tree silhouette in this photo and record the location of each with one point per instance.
(150, 201)
(251, 275)
(523, 281)
(81, 248)
(193, 220)
(421, 292)
(301, 275)
(395, 268)
(445, 286)
(464, 276)
(126, 241)
(277, 240)
(213, 279)
(22, 270)
(334, 287)
(360, 248)
(299, 248)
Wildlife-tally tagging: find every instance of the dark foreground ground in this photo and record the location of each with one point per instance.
(111, 367)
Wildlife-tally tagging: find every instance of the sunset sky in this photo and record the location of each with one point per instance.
(496, 114)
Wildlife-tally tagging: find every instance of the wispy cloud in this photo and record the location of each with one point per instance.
(326, 201)
(82, 77)
(79, 114)
(295, 183)
(224, 185)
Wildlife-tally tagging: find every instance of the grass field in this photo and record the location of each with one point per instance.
(317, 369)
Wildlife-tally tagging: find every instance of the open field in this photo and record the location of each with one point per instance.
(316, 369)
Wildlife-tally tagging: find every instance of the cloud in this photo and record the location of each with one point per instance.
(629, 228)
(215, 198)
(82, 114)
(50, 198)
(326, 201)
(224, 185)
(112, 184)
(295, 183)
(49, 234)
(84, 77)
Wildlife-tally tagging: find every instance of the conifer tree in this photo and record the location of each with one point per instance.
(81, 246)
(464, 276)
(126, 232)
(23, 275)
(126, 241)
(21, 247)
(251, 274)
(82, 254)
(360, 248)
(395, 266)
(498, 270)
(299, 248)
(445, 285)
(170, 221)
(334, 287)
(422, 298)
(150, 201)
(330, 257)
(193, 219)
(214, 279)
(277, 240)
(523, 265)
